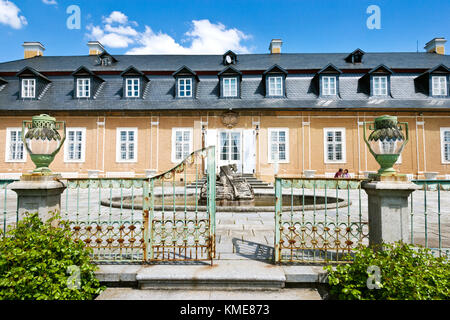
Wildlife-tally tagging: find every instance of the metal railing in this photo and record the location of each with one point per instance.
(8, 203)
(318, 219)
(181, 223)
(145, 219)
(430, 216)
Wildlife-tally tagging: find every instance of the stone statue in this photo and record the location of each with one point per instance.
(230, 187)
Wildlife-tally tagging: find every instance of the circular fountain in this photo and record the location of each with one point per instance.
(233, 194)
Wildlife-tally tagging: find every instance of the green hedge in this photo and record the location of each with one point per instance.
(406, 273)
(41, 262)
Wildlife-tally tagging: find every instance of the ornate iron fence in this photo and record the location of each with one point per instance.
(181, 223)
(146, 219)
(430, 216)
(317, 220)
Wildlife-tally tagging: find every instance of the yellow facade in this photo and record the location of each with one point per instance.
(306, 142)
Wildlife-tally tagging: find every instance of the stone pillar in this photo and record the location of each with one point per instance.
(389, 216)
(39, 193)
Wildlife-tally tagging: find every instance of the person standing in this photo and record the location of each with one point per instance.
(339, 173)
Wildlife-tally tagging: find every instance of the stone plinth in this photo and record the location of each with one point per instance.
(389, 216)
(39, 193)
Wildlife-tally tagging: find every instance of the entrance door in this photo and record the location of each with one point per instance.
(230, 148)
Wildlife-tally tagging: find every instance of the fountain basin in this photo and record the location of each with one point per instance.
(263, 202)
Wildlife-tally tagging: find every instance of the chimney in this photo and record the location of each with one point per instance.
(437, 45)
(33, 49)
(95, 48)
(275, 46)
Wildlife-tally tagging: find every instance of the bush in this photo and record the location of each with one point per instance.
(406, 273)
(37, 262)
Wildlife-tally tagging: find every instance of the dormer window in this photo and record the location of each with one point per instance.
(329, 80)
(275, 78)
(329, 86)
(275, 86)
(380, 78)
(229, 58)
(32, 84)
(230, 82)
(83, 88)
(230, 87)
(132, 88)
(380, 86)
(105, 59)
(86, 83)
(28, 88)
(439, 85)
(185, 83)
(185, 87)
(134, 83)
(355, 57)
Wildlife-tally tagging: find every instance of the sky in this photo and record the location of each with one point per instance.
(213, 27)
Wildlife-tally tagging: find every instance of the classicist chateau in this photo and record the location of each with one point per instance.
(137, 115)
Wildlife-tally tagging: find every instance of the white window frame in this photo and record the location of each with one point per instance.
(443, 130)
(228, 90)
(325, 145)
(379, 92)
(327, 91)
(130, 93)
(118, 142)
(174, 131)
(275, 93)
(31, 83)
(8, 146)
(439, 87)
(83, 93)
(269, 145)
(83, 145)
(185, 90)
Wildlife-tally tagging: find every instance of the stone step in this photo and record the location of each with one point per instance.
(224, 274)
(233, 295)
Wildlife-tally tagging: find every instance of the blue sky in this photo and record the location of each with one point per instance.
(197, 26)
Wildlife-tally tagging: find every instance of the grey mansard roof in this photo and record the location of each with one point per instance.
(159, 91)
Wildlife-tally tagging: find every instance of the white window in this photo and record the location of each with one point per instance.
(126, 145)
(275, 86)
(15, 150)
(75, 145)
(185, 87)
(132, 88)
(380, 86)
(329, 86)
(439, 85)
(334, 145)
(230, 87)
(181, 143)
(278, 145)
(445, 145)
(28, 88)
(83, 88)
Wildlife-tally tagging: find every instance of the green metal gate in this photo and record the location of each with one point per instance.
(180, 226)
(135, 220)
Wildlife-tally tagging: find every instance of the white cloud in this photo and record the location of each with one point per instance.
(204, 37)
(51, 2)
(116, 16)
(9, 15)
